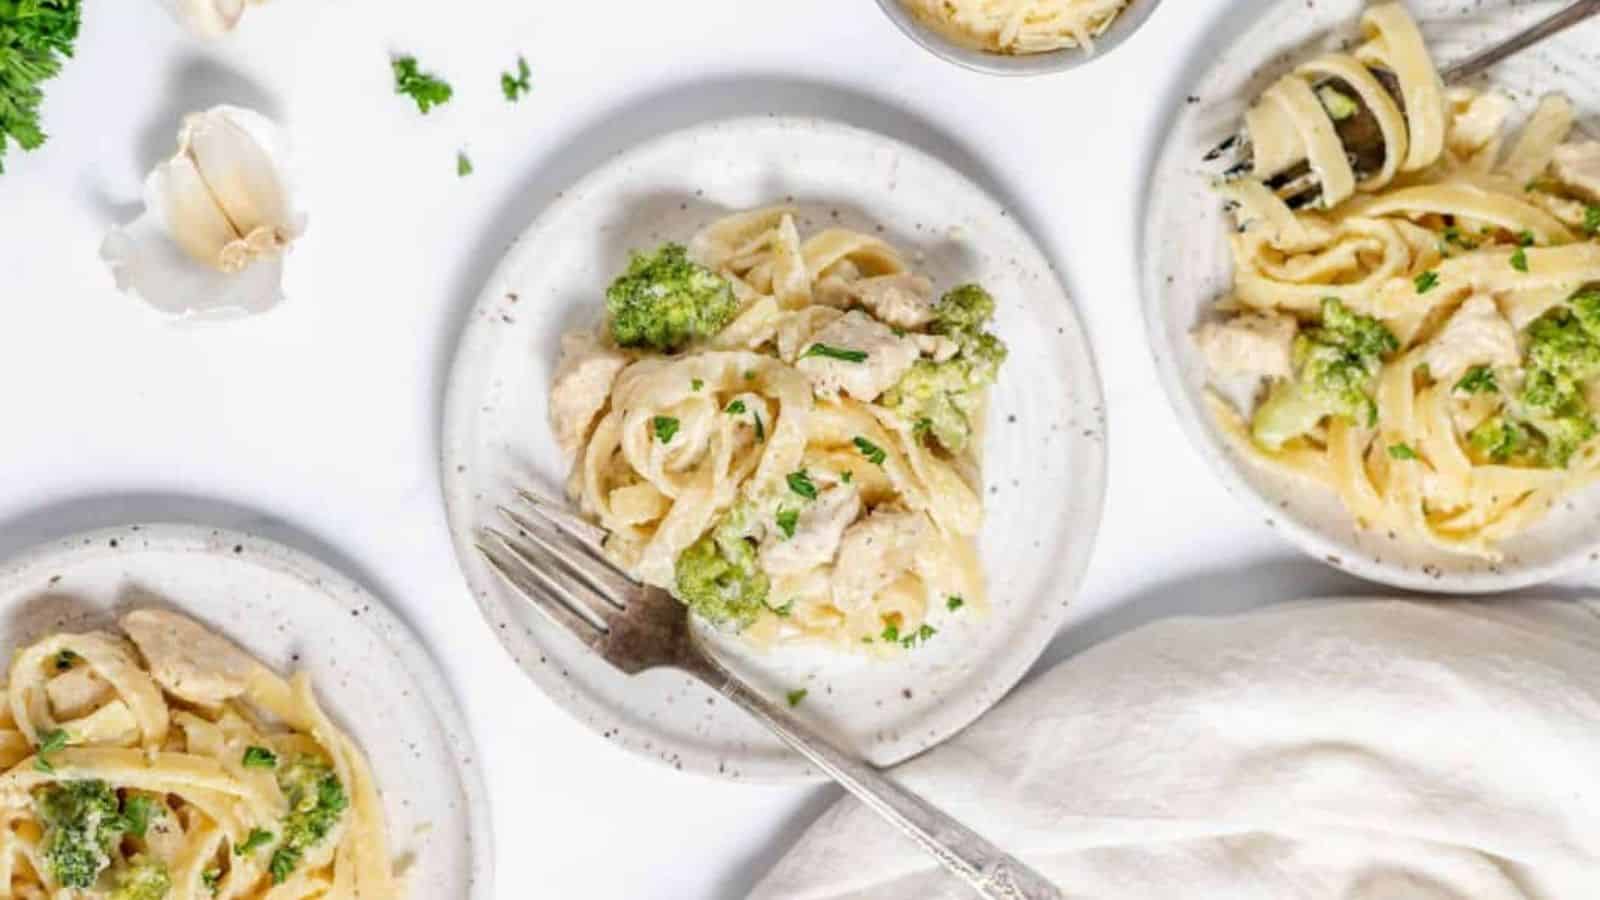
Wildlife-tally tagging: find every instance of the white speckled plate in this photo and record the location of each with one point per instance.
(1045, 448)
(1186, 266)
(292, 613)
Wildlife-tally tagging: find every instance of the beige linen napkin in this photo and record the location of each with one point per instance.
(1349, 749)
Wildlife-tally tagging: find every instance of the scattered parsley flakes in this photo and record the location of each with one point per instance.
(1524, 238)
(871, 451)
(427, 90)
(1478, 380)
(136, 812)
(795, 696)
(787, 520)
(50, 742)
(839, 353)
(514, 86)
(920, 636)
(258, 838)
(665, 427)
(954, 603)
(1591, 221)
(1519, 260)
(1427, 281)
(1401, 451)
(800, 482)
(259, 758)
(735, 408)
(463, 165)
(847, 476)
(696, 384)
(1453, 235)
(891, 631)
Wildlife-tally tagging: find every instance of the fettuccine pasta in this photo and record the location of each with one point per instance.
(1019, 26)
(1427, 342)
(167, 764)
(786, 432)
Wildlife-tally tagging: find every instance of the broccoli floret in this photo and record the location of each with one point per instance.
(1586, 308)
(317, 800)
(1562, 438)
(665, 300)
(1559, 344)
(142, 879)
(719, 577)
(82, 825)
(1563, 351)
(1334, 364)
(1500, 440)
(938, 398)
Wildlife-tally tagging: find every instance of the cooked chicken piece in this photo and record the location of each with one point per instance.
(1577, 165)
(875, 552)
(936, 346)
(904, 300)
(187, 659)
(76, 692)
(887, 357)
(1477, 334)
(816, 533)
(582, 383)
(1251, 344)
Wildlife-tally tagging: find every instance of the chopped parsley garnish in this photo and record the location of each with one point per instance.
(1591, 221)
(795, 696)
(787, 520)
(847, 476)
(514, 86)
(696, 384)
(50, 742)
(920, 636)
(665, 427)
(258, 838)
(212, 879)
(1427, 281)
(259, 758)
(954, 603)
(1401, 451)
(891, 631)
(922, 426)
(1519, 260)
(427, 90)
(1524, 238)
(65, 659)
(839, 353)
(463, 165)
(136, 811)
(1452, 235)
(1478, 380)
(735, 408)
(871, 451)
(800, 482)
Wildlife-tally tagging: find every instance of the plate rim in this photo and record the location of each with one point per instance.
(1204, 439)
(478, 333)
(346, 594)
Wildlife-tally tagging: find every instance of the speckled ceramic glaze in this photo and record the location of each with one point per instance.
(1186, 266)
(1045, 447)
(292, 613)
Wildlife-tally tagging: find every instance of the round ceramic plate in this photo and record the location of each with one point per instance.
(1045, 448)
(1187, 265)
(292, 613)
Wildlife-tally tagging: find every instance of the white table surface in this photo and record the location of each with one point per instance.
(317, 424)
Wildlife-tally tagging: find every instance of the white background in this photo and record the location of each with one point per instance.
(317, 424)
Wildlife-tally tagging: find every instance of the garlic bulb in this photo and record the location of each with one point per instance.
(218, 216)
(209, 18)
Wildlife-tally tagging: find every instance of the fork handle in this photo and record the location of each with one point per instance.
(1557, 22)
(990, 871)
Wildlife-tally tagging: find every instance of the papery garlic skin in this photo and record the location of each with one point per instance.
(219, 214)
(209, 18)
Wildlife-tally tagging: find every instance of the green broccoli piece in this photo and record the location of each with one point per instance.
(1562, 438)
(82, 826)
(1559, 344)
(719, 577)
(939, 398)
(665, 301)
(317, 800)
(1501, 440)
(142, 878)
(1585, 306)
(1334, 364)
(1563, 351)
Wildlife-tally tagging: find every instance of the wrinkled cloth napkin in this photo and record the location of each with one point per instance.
(1349, 749)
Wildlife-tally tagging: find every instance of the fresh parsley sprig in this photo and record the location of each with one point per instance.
(427, 89)
(36, 37)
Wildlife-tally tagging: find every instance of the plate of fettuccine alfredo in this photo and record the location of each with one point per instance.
(192, 713)
(818, 386)
(1403, 373)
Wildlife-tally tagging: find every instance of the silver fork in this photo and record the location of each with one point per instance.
(551, 557)
(1297, 185)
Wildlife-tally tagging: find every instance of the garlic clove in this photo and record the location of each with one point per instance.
(207, 18)
(218, 217)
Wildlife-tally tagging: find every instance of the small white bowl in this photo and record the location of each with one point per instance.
(1049, 62)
